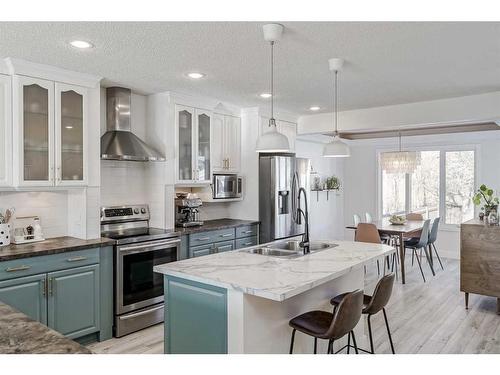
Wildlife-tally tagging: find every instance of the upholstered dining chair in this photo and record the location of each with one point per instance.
(368, 232)
(416, 244)
(412, 216)
(432, 239)
(356, 219)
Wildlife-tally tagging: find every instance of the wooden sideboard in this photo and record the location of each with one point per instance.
(480, 260)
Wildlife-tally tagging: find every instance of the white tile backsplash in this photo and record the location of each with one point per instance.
(51, 207)
(123, 182)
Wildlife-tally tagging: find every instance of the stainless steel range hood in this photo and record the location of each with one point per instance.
(119, 143)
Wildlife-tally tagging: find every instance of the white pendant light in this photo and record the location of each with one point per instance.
(336, 148)
(400, 161)
(272, 141)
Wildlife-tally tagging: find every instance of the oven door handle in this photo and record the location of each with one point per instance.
(148, 245)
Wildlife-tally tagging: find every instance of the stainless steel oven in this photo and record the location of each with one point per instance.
(226, 186)
(139, 290)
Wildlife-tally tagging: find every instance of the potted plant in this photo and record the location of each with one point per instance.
(485, 196)
(333, 183)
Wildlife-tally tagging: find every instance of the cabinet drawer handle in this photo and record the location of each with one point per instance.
(226, 235)
(247, 231)
(248, 243)
(44, 287)
(203, 239)
(76, 259)
(20, 268)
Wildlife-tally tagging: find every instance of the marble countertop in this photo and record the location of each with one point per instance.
(215, 225)
(22, 335)
(50, 246)
(271, 277)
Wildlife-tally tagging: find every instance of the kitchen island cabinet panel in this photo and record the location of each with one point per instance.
(197, 317)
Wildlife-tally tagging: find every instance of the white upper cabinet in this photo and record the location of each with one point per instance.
(193, 145)
(218, 142)
(33, 131)
(233, 143)
(71, 134)
(226, 144)
(50, 133)
(5, 131)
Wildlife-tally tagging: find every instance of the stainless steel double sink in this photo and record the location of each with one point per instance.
(289, 249)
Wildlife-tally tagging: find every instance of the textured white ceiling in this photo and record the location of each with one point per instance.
(387, 63)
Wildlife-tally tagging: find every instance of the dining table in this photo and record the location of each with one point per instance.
(410, 228)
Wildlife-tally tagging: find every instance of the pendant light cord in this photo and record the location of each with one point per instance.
(335, 104)
(272, 121)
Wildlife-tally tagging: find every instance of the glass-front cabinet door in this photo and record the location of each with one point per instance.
(34, 119)
(71, 135)
(203, 139)
(185, 134)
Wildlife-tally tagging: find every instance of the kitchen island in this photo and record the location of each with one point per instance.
(241, 302)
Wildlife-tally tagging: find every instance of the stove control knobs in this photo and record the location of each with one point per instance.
(136, 211)
(143, 210)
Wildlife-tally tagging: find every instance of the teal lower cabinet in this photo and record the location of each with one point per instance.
(195, 317)
(220, 247)
(73, 301)
(217, 241)
(26, 294)
(71, 292)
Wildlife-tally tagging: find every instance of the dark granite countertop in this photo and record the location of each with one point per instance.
(50, 246)
(216, 224)
(22, 335)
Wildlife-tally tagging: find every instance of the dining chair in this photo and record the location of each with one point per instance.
(412, 216)
(416, 244)
(368, 232)
(356, 219)
(432, 239)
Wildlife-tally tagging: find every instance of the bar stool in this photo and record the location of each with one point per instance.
(373, 304)
(328, 326)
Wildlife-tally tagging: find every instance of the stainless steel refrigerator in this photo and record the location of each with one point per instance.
(280, 177)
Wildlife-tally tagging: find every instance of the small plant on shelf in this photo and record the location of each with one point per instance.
(486, 197)
(333, 183)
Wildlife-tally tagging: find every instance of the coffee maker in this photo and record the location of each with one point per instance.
(187, 211)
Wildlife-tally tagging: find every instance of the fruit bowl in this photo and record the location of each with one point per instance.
(397, 220)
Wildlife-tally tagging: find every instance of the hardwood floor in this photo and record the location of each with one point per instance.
(424, 318)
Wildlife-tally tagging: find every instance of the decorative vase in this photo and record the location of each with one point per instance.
(488, 209)
(4, 234)
(493, 217)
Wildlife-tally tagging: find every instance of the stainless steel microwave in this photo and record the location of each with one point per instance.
(227, 186)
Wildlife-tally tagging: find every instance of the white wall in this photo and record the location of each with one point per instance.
(360, 175)
(326, 217)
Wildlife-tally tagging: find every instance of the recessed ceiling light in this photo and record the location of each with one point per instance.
(195, 75)
(314, 108)
(68, 127)
(81, 44)
(265, 95)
